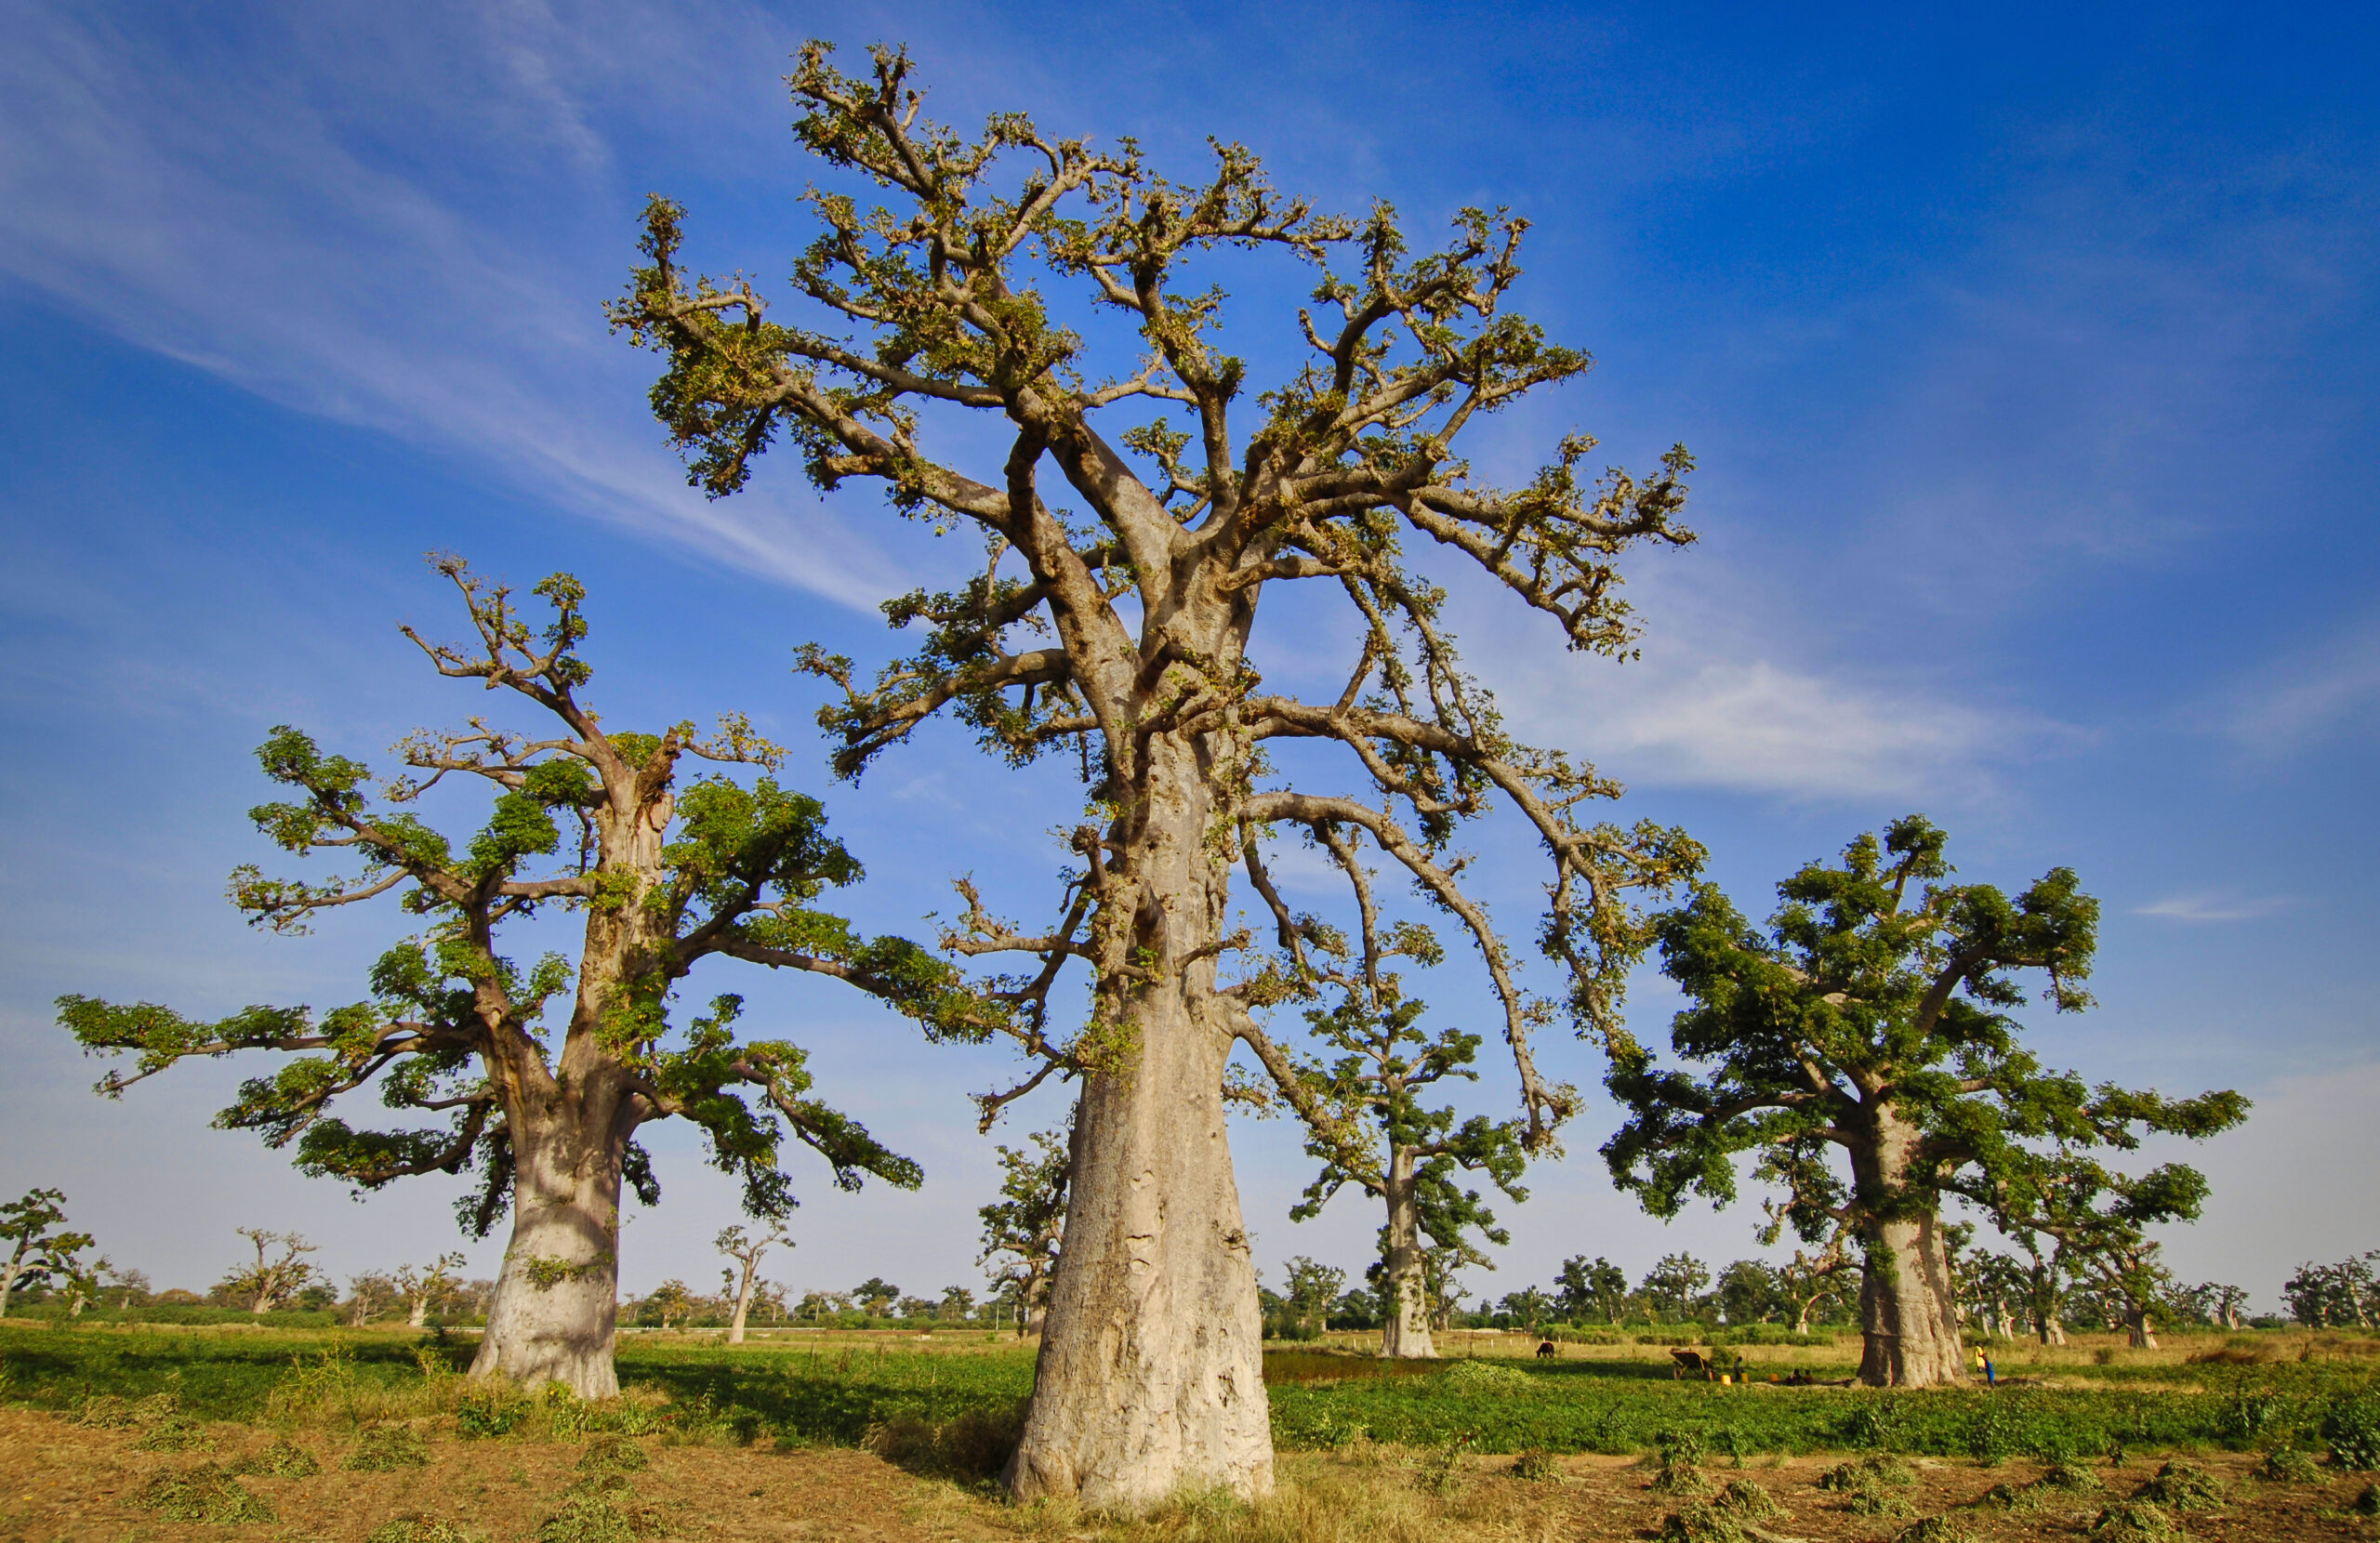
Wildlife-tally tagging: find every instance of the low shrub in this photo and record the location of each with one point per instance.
(1441, 1472)
(206, 1492)
(422, 1529)
(1877, 1469)
(1936, 1529)
(2352, 1427)
(2133, 1521)
(612, 1455)
(283, 1459)
(386, 1449)
(2367, 1503)
(1485, 1377)
(975, 1444)
(1748, 1500)
(2286, 1465)
(174, 1433)
(1536, 1464)
(2182, 1486)
(1700, 1522)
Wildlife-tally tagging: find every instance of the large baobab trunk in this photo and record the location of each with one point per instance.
(1406, 1330)
(555, 1314)
(2139, 1332)
(1151, 1371)
(1908, 1311)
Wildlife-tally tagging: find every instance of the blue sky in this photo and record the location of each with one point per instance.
(2030, 357)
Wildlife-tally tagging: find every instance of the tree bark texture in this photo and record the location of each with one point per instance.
(743, 1306)
(555, 1316)
(1150, 1377)
(1909, 1309)
(1406, 1326)
(2139, 1332)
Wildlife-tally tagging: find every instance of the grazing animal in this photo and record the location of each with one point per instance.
(1546, 1351)
(1687, 1361)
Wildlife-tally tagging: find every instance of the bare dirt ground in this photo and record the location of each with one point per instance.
(61, 1482)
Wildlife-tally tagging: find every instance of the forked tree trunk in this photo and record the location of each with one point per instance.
(1406, 1331)
(555, 1316)
(1150, 1377)
(1908, 1311)
(2139, 1331)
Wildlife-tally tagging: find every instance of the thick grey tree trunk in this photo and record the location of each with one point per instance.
(1151, 1373)
(418, 1310)
(1909, 1309)
(2139, 1331)
(555, 1316)
(1405, 1332)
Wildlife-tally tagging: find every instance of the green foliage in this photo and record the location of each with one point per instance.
(1936, 1529)
(206, 1492)
(1881, 997)
(386, 1449)
(489, 1412)
(282, 1459)
(1537, 1465)
(614, 1454)
(450, 1023)
(1702, 1521)
(2133, 1521)
(2351, 1425)
(422, 1529)
(2286, 1465)
(2183, 1486)
(1748, 1500)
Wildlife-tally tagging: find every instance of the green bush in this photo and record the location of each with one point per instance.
(422, 1529)
(2133, 1521)
(1537, 1465)
(2286, 1465)
(283, 1459)
(2183, 1486)
(489, 1412)
(386, 1449)
(2352, 1427)
(203, 1494)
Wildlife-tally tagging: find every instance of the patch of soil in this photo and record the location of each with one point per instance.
(62, 1483)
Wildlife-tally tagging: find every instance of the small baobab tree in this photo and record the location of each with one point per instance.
(1368, 1120)
(279, 1272)
(1871, 1022)
(665, 870)
(33, 1228)
(424, 1287)
(746, 1249)
(1021, 1229)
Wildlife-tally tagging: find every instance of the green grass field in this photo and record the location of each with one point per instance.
(836, 1390)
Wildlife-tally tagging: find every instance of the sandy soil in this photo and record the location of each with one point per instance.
(59, 1482)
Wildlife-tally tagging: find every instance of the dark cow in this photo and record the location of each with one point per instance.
(1546, 1351)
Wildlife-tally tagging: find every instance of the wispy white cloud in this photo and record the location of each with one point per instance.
(2210, 905)
(2304, 698)
(1731, 693)
(246, 218)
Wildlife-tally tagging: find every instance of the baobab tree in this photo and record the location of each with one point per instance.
(280, 1272)
(1871, 1019)
(746, 1249)
(1021, 1229)
(424, 1287)
(1123, 637)
(33, 1228)
(1367, 1120)
(666, 871)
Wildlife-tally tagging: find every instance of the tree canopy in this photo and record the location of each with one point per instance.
(1874, 1018)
